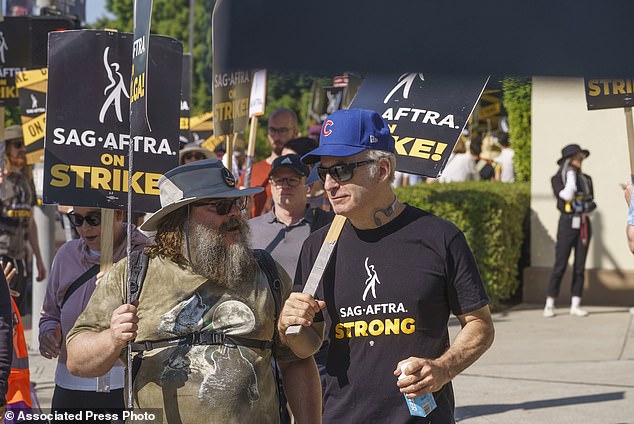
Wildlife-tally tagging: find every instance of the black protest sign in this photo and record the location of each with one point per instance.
(15, 56)
(139, 119)
(609, 93)
(230, 87)
(32, 91)
(425, 113)
(186, 97)
(87, 135)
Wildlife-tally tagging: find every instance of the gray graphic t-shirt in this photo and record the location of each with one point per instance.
(201, 383)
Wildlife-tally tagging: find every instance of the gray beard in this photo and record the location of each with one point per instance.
(227, 266)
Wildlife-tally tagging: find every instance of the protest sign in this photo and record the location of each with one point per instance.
(609, 93)
(15, 56)
(139, 120)
(230, 87)
(87, 136)
(425, 113)
(605, 93)
(257, 99)
(32, 92)
(186, 99)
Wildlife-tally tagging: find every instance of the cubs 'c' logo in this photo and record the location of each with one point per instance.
(325, 129)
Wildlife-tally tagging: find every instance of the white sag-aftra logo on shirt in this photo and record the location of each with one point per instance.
(371, 281)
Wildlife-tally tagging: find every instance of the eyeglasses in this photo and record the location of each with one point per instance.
(193, 155)
(18, 144)
(291, 181)
(224, 206)
(92, 219)
(342, 172)
(281, 131)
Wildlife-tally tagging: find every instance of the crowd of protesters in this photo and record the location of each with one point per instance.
(221, 269)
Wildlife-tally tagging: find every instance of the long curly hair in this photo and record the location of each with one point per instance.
(168, 241)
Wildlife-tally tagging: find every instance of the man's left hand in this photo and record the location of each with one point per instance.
(422, 376)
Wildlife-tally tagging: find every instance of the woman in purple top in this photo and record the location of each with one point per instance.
(77, 261)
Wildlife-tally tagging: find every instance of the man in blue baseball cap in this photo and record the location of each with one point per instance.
(394, 278)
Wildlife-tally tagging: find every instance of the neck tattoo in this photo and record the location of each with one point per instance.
(389, 211)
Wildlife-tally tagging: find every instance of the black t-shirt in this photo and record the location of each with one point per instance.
(388, 293)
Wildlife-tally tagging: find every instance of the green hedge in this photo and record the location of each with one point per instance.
(517, 102)
(491, 215)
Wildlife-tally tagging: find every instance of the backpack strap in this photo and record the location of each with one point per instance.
(267, 264)
(80, 281)
(138, 264)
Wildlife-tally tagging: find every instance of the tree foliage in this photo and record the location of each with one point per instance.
(517, 101)
(171, 18)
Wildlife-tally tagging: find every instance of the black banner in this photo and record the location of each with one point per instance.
(609, 93)
(15, 56)
(426, 114)
(139, 119)
(32, 91)
(186, 98)
(87, 134)
(230, 87)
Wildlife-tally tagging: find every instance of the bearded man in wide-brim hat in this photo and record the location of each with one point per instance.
(205, 318)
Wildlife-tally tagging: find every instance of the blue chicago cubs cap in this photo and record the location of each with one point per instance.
(348, 132)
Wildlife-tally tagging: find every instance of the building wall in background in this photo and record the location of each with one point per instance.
(560, 117)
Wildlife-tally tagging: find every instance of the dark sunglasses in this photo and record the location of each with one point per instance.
(194, 155)
(92, 219)
(342, 172)
(18, 144)
(224, 206)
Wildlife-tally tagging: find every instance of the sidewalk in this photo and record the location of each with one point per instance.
(539, 370)
(552, 370)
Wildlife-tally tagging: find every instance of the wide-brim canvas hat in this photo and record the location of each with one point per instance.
(195, 148)
(571, 150)
(348, 132)
(203, 179)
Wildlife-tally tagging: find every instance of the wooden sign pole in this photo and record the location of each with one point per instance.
(630, 138)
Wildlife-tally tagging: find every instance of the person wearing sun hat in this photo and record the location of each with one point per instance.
(396, 274)
(575, 201)
(205, 301)
(192, 152)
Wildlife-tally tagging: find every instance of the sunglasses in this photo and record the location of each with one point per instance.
(92, 219)
(193, 155)
(18, 144)
(223, 207)
(279, 182)
(342, 172)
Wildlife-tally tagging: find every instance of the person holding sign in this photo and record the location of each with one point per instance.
(575, 200)
(71, 284)
(203, 327)
(396, 274)
(282, 127)
(16, 219)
